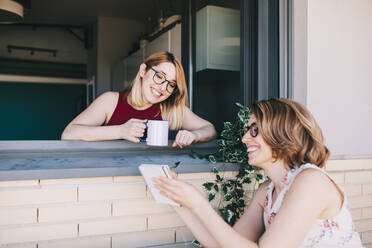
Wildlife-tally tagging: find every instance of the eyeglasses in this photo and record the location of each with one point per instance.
(159, 78)
(253, 130)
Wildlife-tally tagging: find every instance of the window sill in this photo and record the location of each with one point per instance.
(26, 160)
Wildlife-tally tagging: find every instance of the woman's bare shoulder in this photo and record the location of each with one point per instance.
(107, 99)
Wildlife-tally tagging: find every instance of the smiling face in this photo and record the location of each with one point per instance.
(259, 153)
(155, 93)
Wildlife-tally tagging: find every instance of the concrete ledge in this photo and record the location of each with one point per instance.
(26, 160)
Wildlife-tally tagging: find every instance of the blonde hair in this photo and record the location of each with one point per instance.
(172, 109)
(291, 132)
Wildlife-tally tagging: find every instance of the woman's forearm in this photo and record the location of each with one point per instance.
(197, 228)
(91, 133)
(205, 133)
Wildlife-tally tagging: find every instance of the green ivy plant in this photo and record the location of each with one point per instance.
(231, 193)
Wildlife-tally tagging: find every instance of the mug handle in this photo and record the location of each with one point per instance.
(142, 139)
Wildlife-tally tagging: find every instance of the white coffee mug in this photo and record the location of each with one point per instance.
(157, 133)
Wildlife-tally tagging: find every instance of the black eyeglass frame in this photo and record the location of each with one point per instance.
(158, 72)
(253, 130)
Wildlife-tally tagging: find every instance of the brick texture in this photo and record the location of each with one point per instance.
(140, 239)
(164, 221)
(113, 191)
(133, 224)
(37, 232)
(14, 215)
(74, 211)
(76, 181)
(37, 196)
(139, 206)
(94, 242)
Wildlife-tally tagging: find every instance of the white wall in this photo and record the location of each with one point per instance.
(115, 39)
(339, 73)
(70, 49)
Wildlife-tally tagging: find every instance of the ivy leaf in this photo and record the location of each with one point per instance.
(259, 177)
(211, 196)
(228, 197)
(208, 186)
(215, 170)
(218, 178)
(196, 243)
(224, 189)
(240, 192)
(216, 187)
(212, 159)
(247, 180)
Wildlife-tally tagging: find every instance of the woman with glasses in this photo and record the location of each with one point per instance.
(158, 92)
(299, 206)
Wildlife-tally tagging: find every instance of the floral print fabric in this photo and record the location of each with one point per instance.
(336, 232)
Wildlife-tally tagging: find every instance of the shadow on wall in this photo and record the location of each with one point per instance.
(38, 111)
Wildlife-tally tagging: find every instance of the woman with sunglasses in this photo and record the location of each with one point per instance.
(158, 92)
(299, 206)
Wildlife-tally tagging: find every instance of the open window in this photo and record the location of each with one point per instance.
(65, 53)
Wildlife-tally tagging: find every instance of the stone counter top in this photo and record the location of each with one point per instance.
(21, 160)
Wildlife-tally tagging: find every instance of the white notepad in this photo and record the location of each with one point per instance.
(150, 171)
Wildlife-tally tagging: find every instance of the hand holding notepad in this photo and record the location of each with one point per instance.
(151, 171)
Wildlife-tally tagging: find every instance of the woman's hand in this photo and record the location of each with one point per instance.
(181, 192)
(184, 138)
(133, 129)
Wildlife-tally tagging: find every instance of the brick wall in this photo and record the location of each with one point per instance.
(118, 211)
(355, 178)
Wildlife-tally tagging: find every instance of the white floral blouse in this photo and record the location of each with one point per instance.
(336, 232)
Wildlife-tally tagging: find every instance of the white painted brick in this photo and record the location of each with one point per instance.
(129, 179)
(356, 213)
(74, 211)
(14, 215)
(90, 242)
(19, 183)
(164, 221)
(140, 239)
(110, 192)
(349, 164)
(198, 176)
(360, 201)
(366, 237)
(184, 235)
(23, 245)
(338, 177)
(363, 225)
(139, 206)
(367, 213)
(76, 181)
(37, 196)
(358, 176)
(109, 226)
(352, 189)
(37, 232)
(367, 188)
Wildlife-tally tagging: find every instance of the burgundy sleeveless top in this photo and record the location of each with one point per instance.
(124, 112)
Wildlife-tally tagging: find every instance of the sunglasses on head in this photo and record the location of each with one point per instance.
(253, 130)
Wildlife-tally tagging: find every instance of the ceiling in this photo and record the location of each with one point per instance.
(80, 12)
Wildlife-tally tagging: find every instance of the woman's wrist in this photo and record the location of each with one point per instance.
(197, 136)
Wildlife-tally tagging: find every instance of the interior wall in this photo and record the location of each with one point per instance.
(70, 49)
(340, 73)
(115, 38)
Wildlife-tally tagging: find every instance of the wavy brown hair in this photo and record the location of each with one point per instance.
(291, 132)
(172, 109)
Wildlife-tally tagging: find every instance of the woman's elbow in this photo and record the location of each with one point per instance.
(66, 134)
